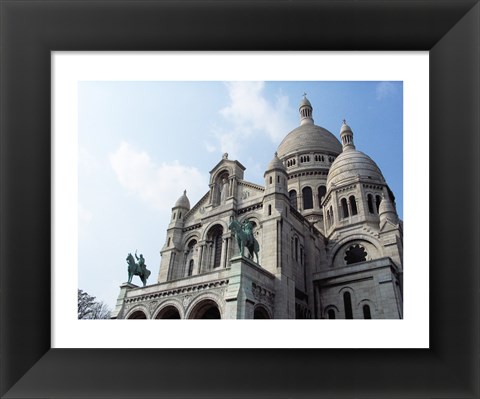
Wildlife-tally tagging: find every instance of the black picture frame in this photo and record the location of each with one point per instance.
(30, 30)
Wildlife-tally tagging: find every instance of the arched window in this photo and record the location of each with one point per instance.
(189, 253)
(331, 314)
(270, 179)
(370, 203)
(269, 210)
(322, 190)
(215, 236)
(329, 219)
(332, 215)
(307, 198)
(293, 198)
(353, 205)
(344, 204)
(378, 199)
(355, 254)
(366, 312)
(347, 302)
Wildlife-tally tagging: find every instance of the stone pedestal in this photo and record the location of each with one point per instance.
(124, 288)
(244, 275)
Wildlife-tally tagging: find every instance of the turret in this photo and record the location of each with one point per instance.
(171, 250)
(275, 177)
(182, 206)
(386, 211)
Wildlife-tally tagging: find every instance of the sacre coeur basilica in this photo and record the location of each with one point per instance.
(321, 240)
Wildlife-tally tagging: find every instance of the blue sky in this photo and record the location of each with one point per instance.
(142, 143)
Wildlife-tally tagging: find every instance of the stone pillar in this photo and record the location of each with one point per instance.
(206, 257)
(200, 261)
(223, 255)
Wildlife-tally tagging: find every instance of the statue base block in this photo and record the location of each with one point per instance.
(121, 296)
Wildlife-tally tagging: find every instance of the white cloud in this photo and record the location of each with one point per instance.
(251, 113)
(157, 185)
(384, 90)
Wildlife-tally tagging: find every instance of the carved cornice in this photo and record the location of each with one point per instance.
(178, 291)
(250, 208)
(192, 227)
(262, 295)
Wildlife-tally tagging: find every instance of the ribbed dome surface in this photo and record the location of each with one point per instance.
(183, 201)
(309, 137)
(351, 163)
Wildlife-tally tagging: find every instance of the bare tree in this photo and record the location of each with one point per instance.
(88, 308)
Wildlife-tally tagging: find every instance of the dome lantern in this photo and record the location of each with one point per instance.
(346, 135)
(306, 110)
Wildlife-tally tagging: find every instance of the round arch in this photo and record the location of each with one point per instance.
(329, 308)
(207, 230)
(205, 309)
(138, 312)
(355, 239)
(168, 312)
(192, 236)
(254, 217)
(372, 307)
(261, 312)
(223, 171)
(166, 309)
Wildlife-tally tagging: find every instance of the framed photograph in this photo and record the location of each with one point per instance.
(34, 361)
(150, 156)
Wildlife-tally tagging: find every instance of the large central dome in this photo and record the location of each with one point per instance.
(308, 137)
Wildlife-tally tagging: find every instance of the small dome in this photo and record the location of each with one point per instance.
(305, 102)
(309, 138)
(275, 163)
(345, 127)
(183, 201)
(351, 164)
(386, 210)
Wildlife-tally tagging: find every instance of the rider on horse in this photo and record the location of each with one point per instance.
(247, 227)
(141, 262)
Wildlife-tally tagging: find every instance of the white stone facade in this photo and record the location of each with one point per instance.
(331, 242)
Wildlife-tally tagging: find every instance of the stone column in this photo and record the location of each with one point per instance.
(223, 255)
(200, 261)
(208, 257)
(225, 252)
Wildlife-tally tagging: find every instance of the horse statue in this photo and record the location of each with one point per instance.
(245, 238)
(137, 269)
